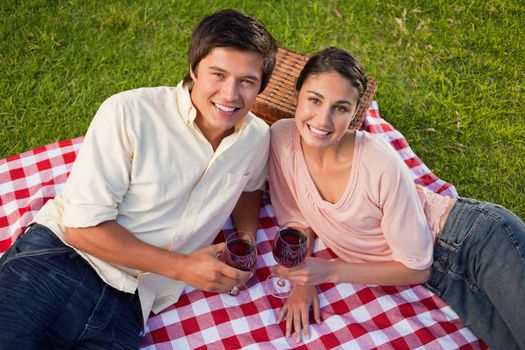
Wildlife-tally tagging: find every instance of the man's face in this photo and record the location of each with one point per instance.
(224, 88)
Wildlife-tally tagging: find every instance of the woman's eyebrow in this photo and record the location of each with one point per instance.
(315, 93)
(344, 101)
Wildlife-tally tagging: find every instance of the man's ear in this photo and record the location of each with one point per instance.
(192, 75)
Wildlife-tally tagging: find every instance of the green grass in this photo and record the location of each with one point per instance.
(450, 73)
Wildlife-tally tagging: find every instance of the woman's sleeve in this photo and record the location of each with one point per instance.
(282, 180)
(100, 175)
(404, 223)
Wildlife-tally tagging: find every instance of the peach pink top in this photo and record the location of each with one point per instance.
(382, 215)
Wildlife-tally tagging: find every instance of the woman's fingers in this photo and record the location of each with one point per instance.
(297, 325)
(289, 323)
(296, 311)
(317, 310)
(306, 325)
(282, 312)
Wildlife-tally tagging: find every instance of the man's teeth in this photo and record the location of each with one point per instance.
(224, 108)
(318, 132)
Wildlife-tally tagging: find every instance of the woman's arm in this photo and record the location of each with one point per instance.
(381, 273)
(315, 271)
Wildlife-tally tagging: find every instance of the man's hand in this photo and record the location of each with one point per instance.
(297, 311)
(201, 269)
(204, 270)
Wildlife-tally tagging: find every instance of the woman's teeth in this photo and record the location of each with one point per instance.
(317, 131)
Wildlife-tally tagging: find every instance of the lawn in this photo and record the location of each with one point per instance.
(450, 73)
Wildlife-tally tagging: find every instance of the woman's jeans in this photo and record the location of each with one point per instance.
(479, 270)
(50, 298)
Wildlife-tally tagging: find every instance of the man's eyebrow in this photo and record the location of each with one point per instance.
(340, 102)
(248, 76)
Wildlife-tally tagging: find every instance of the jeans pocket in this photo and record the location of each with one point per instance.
(37, 240)
(462, 222)
(41, 250)
(36, 253)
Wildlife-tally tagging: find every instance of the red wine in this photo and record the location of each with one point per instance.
(289, 248)
(240, 254)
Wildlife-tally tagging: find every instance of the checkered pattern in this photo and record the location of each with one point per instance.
(27, 181)
(354, 316)
(420, 173)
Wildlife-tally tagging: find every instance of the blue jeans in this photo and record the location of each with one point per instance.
(51, 298)
(479, 270)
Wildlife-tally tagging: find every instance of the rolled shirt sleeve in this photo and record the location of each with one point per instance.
(100, 175)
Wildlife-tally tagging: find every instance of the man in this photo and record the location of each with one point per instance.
(159, 172)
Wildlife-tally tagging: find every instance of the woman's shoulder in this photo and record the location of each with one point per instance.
(374, 142)
(283, 126)
(377, 151)
(282, 133)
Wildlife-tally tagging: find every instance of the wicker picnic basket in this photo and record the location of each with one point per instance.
(277, 100)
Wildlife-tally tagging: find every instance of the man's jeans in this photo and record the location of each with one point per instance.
(479, 270)
(50, 298)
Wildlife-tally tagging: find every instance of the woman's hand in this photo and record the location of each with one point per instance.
(312, 271)
(297, 311)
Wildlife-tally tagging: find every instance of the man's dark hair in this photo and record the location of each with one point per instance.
(232, 28)
(337, 60)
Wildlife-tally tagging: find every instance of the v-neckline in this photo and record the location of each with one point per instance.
(350, 185)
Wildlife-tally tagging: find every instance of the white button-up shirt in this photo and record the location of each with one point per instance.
(145, 164)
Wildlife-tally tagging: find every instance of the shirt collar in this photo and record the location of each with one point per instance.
(187, 110)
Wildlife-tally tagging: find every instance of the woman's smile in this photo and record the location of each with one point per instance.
(317, 131)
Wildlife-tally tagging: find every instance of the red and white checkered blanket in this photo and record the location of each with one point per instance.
(354, 316)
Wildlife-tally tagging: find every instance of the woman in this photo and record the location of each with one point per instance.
(352, 190)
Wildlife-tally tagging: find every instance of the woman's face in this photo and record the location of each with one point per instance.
(326, 104)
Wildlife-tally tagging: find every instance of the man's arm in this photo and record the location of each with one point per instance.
(245, 215)
(111, 242)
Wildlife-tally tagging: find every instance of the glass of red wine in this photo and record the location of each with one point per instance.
(290, 247)
(240, 254)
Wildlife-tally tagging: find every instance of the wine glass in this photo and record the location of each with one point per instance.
(240, 254)
(290, 247)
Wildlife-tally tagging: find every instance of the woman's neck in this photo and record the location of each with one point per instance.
(326, 156)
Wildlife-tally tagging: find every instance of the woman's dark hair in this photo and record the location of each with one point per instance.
(232, 28)
(337, 60)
